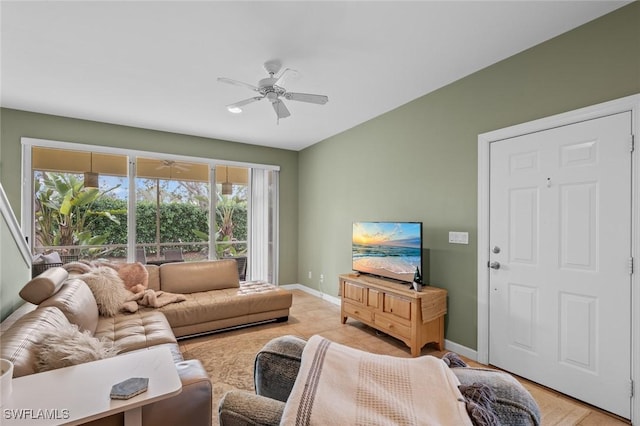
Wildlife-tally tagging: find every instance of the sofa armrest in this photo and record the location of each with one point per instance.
(238, 408)
(276, 367)
(514, 405)
(191, 407)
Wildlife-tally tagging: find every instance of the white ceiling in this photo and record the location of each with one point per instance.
(154, 64)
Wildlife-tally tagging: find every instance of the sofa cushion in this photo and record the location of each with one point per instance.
(134, 331)
(68, 346)
(215, 305)
(192, 277)
(44, 285)
(20, 342)
(77, 303)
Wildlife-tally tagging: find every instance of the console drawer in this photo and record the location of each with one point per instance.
(392, 326)
(356, 311)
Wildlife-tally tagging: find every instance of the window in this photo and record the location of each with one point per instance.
(172, 209)
(79, 204)
(123, 206)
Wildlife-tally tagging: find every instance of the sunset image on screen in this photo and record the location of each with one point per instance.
(390, 249)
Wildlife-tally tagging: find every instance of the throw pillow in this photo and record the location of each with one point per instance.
(67, 346)
(44, 285)
(135, 276)
(107, 288)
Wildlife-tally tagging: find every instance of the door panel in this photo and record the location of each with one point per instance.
(560, 210)
(523, 225)
(523, 302)
(577, 326)
(578, 226)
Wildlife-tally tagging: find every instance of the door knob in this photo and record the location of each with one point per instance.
(494, 265)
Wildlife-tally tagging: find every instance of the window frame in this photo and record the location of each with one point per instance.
(132, 154)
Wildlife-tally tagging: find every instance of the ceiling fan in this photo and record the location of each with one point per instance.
(172, 163)
(272, 88)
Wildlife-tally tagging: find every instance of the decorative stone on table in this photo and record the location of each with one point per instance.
(129, 388)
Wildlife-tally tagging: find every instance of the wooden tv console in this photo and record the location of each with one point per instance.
(415, 317)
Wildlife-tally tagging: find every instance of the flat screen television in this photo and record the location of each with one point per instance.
(387, 249)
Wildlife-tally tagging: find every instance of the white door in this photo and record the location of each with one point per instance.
(560, 284)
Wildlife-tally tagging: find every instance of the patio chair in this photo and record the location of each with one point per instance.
(242, 266)
(141, 255)
(173, 254)
(42, 262)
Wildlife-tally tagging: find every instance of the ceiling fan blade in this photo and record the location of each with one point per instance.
(238, 83)
(306, 97)
(280, 109)
(280, 81)
(244, 102)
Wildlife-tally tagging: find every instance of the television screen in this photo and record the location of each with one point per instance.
(387, 249)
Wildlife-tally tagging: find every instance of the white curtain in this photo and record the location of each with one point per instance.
(263, 232)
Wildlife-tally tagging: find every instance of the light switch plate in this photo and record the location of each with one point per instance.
(458, 237)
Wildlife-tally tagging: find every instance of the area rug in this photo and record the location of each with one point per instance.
(228, 359)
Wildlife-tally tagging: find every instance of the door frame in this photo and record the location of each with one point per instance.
(629, 103)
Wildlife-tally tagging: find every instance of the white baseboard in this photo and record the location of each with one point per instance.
(448, 344)
(321, 295)
(461, 350)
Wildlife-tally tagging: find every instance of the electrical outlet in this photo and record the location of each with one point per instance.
(458, 237)
(310, 275)
(321, 278)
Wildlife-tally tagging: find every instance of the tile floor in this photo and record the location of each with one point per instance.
(312, 315)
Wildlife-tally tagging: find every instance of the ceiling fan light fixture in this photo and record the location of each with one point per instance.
(234, 109)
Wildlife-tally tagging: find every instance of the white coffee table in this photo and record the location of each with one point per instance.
(78, 394)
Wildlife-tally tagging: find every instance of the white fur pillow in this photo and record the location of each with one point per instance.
(69, 346)
(108, 289)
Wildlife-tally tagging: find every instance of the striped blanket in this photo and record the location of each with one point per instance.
(340, 385)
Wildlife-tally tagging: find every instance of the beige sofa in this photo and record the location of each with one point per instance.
(215, 300)
(215, 297)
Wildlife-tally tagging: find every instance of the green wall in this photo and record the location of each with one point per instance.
(419, 162)
(17, 124)
(12, 269)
